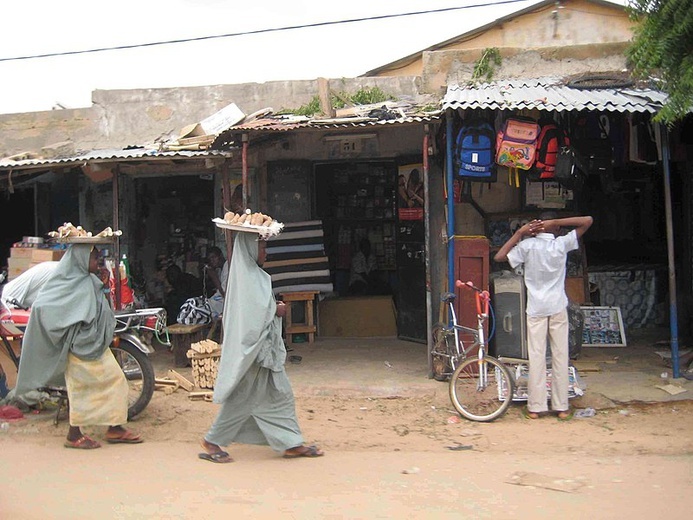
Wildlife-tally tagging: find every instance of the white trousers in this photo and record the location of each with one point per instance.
(555, 329)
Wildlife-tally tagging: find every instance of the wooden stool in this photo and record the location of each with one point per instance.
(308, 326)
(182, 336)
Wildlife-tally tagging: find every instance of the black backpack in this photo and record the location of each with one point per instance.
(570, 171)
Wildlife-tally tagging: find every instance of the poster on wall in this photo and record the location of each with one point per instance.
(410, 192)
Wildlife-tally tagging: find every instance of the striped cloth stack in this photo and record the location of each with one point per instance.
(296, 259)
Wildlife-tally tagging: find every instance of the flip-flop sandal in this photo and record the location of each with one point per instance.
(219, 457)
(571, 414)
(127, 438)
(83, 443)
(310, 451)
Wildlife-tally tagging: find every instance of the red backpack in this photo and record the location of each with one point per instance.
(550, 141)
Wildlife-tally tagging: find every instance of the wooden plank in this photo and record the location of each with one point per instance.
(185, 383)
(199, 396)
(324, 96)
(165, 381)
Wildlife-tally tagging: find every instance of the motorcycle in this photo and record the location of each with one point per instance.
(130, 350)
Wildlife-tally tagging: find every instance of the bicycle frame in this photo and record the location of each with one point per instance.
(476, 383)
(482, 300)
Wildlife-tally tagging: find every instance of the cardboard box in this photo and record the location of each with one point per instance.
(46, 255)
(16, 266)
(21, 252)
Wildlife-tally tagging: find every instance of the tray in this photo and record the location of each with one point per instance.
(263, 231)
(83, 240)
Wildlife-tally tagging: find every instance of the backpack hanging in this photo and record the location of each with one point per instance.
(551, 139)
(474, 152)
(516, 143)
(569, 171)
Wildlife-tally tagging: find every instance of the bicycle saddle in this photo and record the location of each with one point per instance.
(448, 297)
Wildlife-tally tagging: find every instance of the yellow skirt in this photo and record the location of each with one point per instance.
(97, 390)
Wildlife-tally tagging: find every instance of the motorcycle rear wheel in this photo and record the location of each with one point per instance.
(139, 373)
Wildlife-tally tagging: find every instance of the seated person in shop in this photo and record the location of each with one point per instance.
(216, 275)
(183, 286)
(364, 270)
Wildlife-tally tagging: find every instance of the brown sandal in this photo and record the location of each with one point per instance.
(128, 437)
(83, 443)
(305, 451)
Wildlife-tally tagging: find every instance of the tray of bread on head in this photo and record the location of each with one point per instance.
(250, 222)
(71, 234)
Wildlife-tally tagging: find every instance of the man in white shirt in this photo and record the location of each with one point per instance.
(25, 288)
(543, 255)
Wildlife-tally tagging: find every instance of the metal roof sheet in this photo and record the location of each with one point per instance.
(551, 94)
(278, 124)
(111, 156)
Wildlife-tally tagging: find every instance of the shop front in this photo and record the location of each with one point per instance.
(622, 266)
(359, 199)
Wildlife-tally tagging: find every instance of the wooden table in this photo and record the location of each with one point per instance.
(308, 325)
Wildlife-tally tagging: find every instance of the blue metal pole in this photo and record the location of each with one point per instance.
(451, 200)
(673, 310)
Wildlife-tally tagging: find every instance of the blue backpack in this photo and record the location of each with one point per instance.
(474, 154)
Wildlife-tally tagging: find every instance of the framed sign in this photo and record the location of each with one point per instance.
(603, 327)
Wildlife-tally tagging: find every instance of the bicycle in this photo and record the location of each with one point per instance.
(481, 387)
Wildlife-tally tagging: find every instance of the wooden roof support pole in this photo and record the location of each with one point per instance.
(325, 99)
(116, 226)
(673, 307)
(427, 243)
(226, 196)
(244, 159)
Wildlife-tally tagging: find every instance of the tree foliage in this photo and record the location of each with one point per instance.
(663, 47)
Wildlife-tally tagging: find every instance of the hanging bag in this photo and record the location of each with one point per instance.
(195, 311)
(516, 143)
(569, 171)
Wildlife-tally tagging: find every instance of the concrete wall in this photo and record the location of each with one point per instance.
(442, 68)
(120, 118)
(576, 23)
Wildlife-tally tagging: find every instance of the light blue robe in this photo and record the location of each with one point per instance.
(252, 386)
(70, 315)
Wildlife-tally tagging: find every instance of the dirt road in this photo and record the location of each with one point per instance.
(386, 458)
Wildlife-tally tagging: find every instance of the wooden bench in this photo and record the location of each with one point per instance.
(308, 325)
(182, 336)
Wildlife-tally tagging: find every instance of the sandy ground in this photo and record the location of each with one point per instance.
(385, 458)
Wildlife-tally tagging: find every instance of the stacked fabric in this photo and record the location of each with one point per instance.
(296, 259)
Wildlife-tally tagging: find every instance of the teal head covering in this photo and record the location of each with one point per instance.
(70, 315)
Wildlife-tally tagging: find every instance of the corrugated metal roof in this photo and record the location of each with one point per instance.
(278, 124)
(111, 155)
(551, 94)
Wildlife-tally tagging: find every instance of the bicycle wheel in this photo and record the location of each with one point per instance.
(440, 355)
(478, 402)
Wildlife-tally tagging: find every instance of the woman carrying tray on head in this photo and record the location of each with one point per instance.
(67, 343)
(257, 403)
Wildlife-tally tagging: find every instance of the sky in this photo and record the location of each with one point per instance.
(33, 27)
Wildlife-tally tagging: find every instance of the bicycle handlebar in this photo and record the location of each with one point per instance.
(479, 295)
